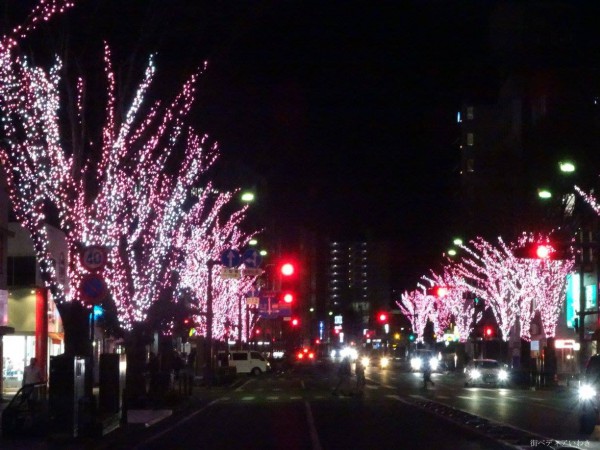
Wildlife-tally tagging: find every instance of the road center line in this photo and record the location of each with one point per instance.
(314, 437)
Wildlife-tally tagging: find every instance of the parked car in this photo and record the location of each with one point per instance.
(486, 372)
(589, 396)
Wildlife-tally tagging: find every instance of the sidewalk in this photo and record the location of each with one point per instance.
(137, 421)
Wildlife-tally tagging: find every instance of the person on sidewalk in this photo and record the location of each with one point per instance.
(32, 373)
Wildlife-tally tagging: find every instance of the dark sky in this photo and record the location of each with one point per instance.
(342, 112)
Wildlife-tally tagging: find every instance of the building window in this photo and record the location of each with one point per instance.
(470, 139)
(470, 113)
(470, 165)
(21, 270)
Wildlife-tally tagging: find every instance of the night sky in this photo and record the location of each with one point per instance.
(342, 113)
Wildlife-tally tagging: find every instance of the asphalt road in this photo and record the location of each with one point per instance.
(296, 410)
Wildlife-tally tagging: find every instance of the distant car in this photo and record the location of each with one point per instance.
(486, 372)
(420, 358)
(305, 355)
(376, 360)
(589, 396)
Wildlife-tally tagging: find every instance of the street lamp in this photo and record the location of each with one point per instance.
(457, 241)
(544, 194)
(247, 197)
(566, 166)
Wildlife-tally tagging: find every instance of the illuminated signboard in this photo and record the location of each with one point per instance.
(572, 302)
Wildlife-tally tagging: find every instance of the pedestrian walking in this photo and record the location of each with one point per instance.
(344, 375)
(427, 375)
(359, 370)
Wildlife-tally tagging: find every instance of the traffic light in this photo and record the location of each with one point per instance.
(488, 332)
(288, 297)
(295, 321)
(438, 291)
(382, 317)
(412, 337)
(288, 281)
(552, 251)
(287, 269)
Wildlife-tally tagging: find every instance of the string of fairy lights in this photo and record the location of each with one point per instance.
(128, 200)
(513, 288)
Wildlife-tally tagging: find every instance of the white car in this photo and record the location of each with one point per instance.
(486, 372)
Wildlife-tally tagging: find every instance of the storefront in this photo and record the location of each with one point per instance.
(38, 333)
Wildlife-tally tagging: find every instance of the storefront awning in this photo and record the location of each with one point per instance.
(57, 338)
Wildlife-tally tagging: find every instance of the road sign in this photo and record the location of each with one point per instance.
(229, 273)
(252, 301)
(252, 272)
(93, 257)
(252, 258)
(230, 258)
(93, 289)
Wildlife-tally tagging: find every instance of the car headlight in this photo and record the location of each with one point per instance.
(415, 363)
(384, 361)
(586, 392)
(349, 352)
(365, 361)
(475, 373)
(433, 363)
(502, 375)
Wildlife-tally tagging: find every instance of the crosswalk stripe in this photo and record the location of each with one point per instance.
(248, 398)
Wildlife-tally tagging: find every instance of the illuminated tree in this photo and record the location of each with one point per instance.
(489, 273)
(201, 240)
(29, 102)
(454, 308)
(417, 306)
(516, 288)
(132, 195)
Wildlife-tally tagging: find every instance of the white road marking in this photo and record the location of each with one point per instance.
(249, 398)
(314, 437)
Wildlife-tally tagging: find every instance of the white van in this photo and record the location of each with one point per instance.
(246, 361)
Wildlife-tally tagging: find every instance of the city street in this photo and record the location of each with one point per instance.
(296, 410)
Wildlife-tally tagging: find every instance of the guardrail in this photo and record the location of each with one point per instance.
(27, 412)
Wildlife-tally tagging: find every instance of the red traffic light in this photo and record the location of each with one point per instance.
(543, 251)
(288, 297)
(295, 322)
(287, 269)
(438, 291)
(488, 331)
(383, 317)
(550, 251)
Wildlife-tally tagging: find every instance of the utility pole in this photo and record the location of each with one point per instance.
(209, 322)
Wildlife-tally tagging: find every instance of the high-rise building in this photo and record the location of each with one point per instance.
(357, 284)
